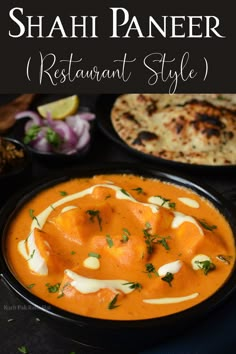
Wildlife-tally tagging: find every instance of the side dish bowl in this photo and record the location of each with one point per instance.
(115, 335)
(15, 165)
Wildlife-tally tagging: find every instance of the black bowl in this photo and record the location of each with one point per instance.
(18, 173)
(115, 335)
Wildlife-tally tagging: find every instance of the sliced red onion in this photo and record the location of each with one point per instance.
(78, 125)
(87, 116)
(34, 118)
(65, 131)
(83, 140)
(41, 144)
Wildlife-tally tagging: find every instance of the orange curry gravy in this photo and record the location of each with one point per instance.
(113, 252)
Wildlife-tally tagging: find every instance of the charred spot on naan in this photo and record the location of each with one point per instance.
(144, 136)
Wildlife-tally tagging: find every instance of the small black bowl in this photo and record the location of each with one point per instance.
(113, 335)
(17, 173)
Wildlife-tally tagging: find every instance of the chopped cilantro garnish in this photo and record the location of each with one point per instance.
(165, 200)
(133, 285)
(112, 304)
(224, 259)
(94, 254)
(168, 278)
(206, 226)
(150, 239)
(30, 286)
(63, 193)
(23, 349)
(31, 255)
(139, 190)
(53, 137)
(95, 214)
(33, 217)
(150, 269)
(125, 192)
(31, 134)
(109, 241)
(125, 235)
(53, 288)
(206, 266)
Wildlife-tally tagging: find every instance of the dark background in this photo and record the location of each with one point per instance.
(219, 52)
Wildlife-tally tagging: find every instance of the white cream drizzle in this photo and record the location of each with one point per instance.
(91, 263)
(170, 300)
(180, 218)
(68, 208)
(192, 203)
(30, 252)
(172, 267)
(88, 285)
(159, 201)
(41, 218)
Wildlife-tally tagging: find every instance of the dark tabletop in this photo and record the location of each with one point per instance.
(21, 325)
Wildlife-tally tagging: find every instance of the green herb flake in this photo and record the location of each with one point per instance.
(107, 196)
(139, 190)
(150, 269)
(109, 241)
(167, 201)
(172, 205)
(23, 349)
(112, 304)
(133, 285)
(53, 137)
(148, 239)
(124, 239)
(163, 242)
(151, 240)
(30, 286)
(94, 254)
(124, 192)
(53, 288)
(206, 226)
(224, 259)
(31, 134)
(33, 217)
(95, 214)
(31, 255)
(125, 235)
(63, 193)
(168, 278)
(73, 253)
(52, 207)
(206, 266)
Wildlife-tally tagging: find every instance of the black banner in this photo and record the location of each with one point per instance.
(117, 46)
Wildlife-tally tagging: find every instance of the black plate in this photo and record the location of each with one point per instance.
(116, 335)
(103, 110)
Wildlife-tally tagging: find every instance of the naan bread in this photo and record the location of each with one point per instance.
(189, 128)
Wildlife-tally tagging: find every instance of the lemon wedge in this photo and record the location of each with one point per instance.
(61, 108)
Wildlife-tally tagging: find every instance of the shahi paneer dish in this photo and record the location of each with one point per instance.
(120, 247)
